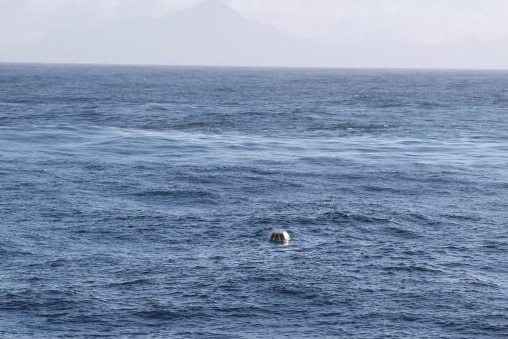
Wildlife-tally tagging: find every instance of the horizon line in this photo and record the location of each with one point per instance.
(267, 67)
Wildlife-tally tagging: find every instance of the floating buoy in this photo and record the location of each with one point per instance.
(279, 236)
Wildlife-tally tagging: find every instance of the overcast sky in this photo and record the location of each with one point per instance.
(478, 27)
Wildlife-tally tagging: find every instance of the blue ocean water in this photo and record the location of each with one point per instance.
(135, 202)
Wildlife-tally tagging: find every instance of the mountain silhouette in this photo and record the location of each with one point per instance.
(210, 33)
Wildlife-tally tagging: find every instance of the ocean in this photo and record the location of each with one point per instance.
(136, 202)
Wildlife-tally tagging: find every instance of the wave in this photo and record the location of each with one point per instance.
(180, 195)
(351, 127)
(42, 300)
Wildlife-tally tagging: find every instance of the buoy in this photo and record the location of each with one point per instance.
(279, 236)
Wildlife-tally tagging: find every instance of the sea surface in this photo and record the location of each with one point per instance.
(135, 202)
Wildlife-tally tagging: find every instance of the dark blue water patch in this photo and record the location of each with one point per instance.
(350, 127)
(496, 245)
(55, 300)
(175, 193)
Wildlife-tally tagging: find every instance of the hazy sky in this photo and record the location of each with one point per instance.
(419, 28)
